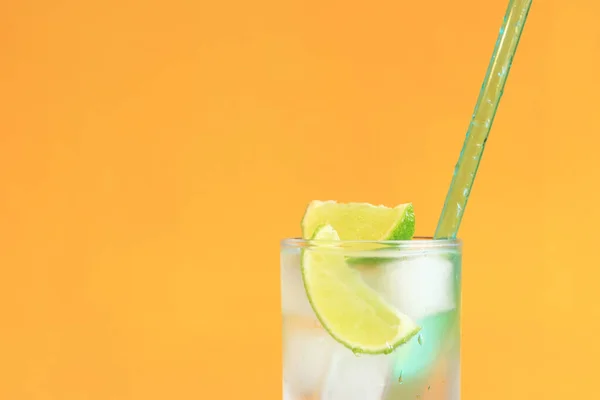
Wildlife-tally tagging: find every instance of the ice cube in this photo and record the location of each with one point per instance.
(420, 286)
(356, 378)
(287, 393)
(293, 295)
(307, 351)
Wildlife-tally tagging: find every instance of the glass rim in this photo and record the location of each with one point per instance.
(418, 242)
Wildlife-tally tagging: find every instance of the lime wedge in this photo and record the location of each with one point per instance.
(353, 313)
(360, 221)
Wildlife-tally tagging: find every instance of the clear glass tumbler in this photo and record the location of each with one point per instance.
(422, 279)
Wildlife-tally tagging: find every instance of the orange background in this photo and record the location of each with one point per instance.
(152, 154)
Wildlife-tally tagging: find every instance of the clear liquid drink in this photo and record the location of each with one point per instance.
(421, 278)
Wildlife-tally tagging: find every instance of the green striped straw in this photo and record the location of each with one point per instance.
(483, 117)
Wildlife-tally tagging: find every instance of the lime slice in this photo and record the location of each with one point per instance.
(351, 311)
(360, 221)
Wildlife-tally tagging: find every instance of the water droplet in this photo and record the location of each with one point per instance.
(388, 349)
(420, 340)
(503, 72)
(400, 378)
